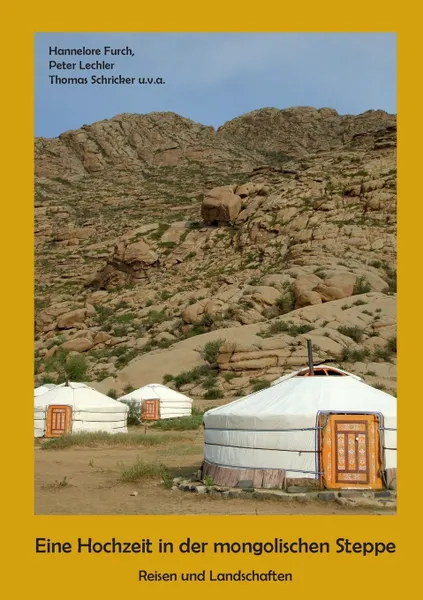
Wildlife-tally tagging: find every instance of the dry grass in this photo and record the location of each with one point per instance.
(141, 471)
(103, 439)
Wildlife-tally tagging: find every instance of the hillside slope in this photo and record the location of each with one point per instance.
(128, 273)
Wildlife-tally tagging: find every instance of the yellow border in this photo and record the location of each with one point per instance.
(104, 576)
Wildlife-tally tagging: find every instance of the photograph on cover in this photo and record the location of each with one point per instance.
(215, 273)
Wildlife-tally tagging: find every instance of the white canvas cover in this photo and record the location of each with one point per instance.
(173, 404)
(91, 410)
(42, 389)
(275, 428)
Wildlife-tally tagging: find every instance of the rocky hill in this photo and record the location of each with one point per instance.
(166, 250)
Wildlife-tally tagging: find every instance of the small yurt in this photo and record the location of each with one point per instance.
(156, 401)
(319, 427)
(76, 407)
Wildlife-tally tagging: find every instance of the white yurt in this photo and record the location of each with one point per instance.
(165, 403)
(75, 407)
(324, 428)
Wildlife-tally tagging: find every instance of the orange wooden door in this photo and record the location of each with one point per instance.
(59, 420)
(350, 452)
(150, 410)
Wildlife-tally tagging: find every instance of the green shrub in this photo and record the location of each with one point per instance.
(194, 225)
(253, 280)
(383, 354)
(56, 362)
(72, 367)
(46, 379)
(196, 330)
(211, 350)
(160, 231)
(213, 394)
(101, 375)
(133, 413)
(125, 318)
(209, 383)
(165, 343)
(187, 377)
(103, 312)
(361, 286)
(119, 331)
(167, 244)
(259, 384)
(286, 303)
(359, 303)
(354, 332)
(165, 295)
(207, 320)
(392, 345)
(392, 280)
(126, 357)
(119, 350)
(191, 423)
(149, 346)
(354, 355)
(154, 317)
(287, 327)
(229, 376)
(142, 470)
(380, 386)
(122, 304)
(167, 478)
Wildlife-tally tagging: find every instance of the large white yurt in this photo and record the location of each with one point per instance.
(156, 401)
(325, 428)
(75, 407)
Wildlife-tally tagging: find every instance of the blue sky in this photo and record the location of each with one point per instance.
(214, 77)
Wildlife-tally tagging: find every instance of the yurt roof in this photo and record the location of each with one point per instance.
(301, 397)
(80, 396)
(42, 389)
(154, 391)
(329, 368)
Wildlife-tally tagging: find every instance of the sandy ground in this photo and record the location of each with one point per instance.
(86, 481)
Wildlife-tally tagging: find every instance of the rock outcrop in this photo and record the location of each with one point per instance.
(220, 205)
(305, 246)
(129, 263)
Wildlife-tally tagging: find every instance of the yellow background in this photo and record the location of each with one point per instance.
(115, 576)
